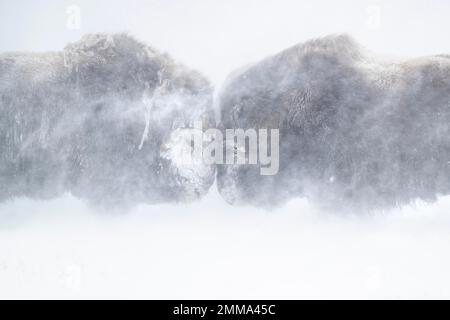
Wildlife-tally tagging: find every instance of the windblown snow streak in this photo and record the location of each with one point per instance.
(97, 120)
(355, 131)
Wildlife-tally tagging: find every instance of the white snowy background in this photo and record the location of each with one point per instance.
(65, 249)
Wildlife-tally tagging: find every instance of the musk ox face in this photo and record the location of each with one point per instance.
(98, 120)
(356, 132)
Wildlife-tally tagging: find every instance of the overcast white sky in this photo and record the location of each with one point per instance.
(220, 35)
(65, 249)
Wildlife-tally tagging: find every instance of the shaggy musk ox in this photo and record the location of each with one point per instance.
(356, 132)
(98, 120)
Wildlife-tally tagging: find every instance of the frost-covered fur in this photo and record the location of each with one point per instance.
(356, 132)
(97, 120)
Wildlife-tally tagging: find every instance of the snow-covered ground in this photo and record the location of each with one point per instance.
(65, 249)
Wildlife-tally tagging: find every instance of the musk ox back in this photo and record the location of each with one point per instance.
(97, 120)
(356, 132)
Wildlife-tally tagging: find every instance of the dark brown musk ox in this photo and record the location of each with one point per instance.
(357, 131)
(99, 120)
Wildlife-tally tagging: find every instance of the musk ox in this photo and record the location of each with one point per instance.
(97, 120)
(356, 131)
